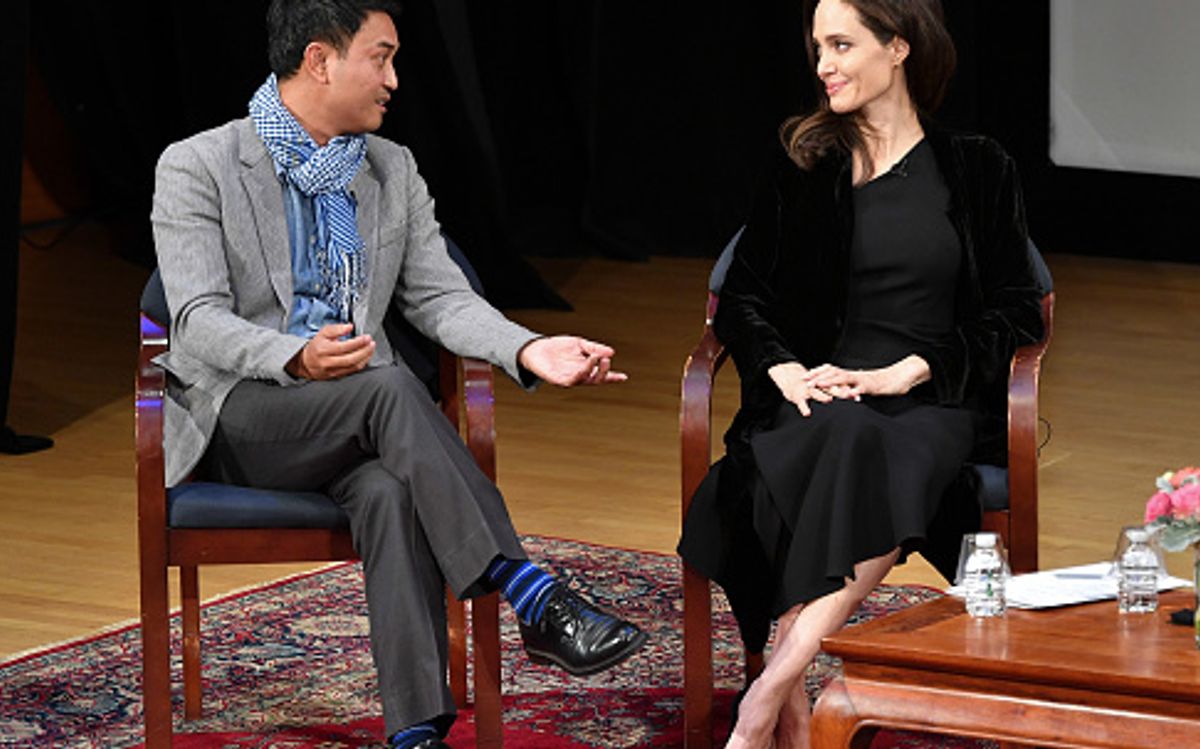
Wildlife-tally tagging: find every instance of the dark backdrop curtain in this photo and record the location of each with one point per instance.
(543, 127)
(547, 127)
(16, 48)
(130, 78)
(635, 128)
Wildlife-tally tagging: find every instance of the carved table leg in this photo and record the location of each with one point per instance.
(835, 722)
(851, 709)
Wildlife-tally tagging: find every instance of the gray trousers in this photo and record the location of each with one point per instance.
(422, 514)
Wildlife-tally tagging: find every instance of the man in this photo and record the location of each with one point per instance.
(283, 239)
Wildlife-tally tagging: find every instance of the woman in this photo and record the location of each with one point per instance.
(874, 301)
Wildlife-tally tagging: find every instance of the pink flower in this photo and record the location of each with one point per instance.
(1178, 477)
(1158, 506)
(1185, 501)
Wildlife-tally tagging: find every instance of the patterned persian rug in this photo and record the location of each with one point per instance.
(287, 666)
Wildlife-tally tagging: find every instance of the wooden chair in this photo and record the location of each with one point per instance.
(302, 527)
(1008, 496)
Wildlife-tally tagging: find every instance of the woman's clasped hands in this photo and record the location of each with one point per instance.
(826, 382)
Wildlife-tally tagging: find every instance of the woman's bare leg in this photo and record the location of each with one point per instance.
(793, 714)
(776, 699)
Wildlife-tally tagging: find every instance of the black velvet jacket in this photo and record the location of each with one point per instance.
(785, 299)
(785, 294)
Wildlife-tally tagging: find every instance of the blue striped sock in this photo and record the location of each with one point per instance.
(523, 585)
(412, 736)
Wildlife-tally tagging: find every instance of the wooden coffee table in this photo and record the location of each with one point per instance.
(1079, 676)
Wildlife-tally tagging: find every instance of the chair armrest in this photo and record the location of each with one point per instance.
(1022, 444)
(695, 411)
(478, 401)
(150, 387)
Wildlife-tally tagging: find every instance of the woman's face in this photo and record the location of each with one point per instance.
(855, 67)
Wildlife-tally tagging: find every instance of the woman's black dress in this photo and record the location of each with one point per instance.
(855, 479)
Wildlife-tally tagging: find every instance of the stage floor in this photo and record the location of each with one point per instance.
(597, 464)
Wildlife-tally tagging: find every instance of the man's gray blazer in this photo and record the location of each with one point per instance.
(221, 235)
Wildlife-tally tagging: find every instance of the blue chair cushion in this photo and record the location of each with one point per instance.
(202, 504)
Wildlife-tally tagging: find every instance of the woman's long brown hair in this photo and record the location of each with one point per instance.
(927, 70)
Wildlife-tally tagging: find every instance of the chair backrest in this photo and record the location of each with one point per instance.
(1041, 272)
(993, 482)
(418, 352)
(154, 300)
(716, 279)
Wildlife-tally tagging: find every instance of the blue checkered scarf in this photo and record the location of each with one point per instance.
(321, 173)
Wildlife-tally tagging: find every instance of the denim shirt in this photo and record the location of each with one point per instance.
(309, 311)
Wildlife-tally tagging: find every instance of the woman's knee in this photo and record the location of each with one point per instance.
(869, 573)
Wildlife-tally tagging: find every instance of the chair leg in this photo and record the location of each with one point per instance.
(697, 660)
(189, 595)
(485, 620)
(156, 656)
(456, 620)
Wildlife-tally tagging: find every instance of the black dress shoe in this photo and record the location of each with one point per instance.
(578, 636)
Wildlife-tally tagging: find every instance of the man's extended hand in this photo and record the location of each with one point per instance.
(570, 360)
(327, 357)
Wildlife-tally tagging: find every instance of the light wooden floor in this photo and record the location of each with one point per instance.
(596, 464)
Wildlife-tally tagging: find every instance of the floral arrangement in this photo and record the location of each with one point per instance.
(1174, 510)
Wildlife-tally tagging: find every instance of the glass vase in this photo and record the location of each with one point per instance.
(1196, 590)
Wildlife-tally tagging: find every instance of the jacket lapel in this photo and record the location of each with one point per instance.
(270, 219)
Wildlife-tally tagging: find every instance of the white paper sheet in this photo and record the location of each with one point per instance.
(1067, 586)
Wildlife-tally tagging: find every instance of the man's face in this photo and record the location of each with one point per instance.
(362, 80)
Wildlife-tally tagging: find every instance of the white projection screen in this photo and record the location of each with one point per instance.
(1125, 85)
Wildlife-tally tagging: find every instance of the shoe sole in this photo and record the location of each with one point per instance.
(549, 659)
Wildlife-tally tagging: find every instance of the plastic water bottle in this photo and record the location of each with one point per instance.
(1137, 586)
(984, 578)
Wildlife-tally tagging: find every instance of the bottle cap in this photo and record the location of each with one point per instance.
(1137, 535)
(985, 540)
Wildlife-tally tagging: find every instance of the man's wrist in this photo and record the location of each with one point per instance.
(295, 366)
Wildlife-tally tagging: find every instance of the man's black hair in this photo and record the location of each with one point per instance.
(293, 24)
